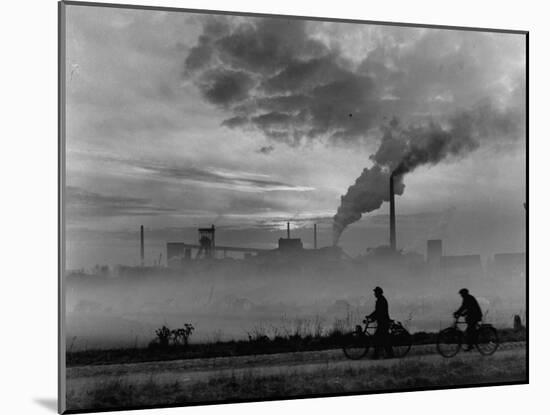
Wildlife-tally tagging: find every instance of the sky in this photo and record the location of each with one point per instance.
(181, 120)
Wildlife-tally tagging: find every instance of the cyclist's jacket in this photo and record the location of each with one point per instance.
(381, 313)
(470, 308)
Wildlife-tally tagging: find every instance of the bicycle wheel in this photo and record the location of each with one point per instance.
(355, 345)
(449, 342)
(487, 340)
(401, 342)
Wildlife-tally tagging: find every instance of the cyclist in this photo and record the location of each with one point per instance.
(471, 310)
(382, 317)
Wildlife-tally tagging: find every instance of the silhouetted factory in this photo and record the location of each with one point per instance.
(180, 253)
(206, 248)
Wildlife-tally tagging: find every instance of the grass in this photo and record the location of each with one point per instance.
(259, 342)
(254, 384)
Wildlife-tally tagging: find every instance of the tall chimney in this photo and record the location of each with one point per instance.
(314, 236)
(392, 216)
(288, 230)
(142, 251)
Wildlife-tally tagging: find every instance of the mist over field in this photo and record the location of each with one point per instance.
(230, 304)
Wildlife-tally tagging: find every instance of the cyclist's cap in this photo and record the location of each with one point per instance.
(463, 291)
(378, 290)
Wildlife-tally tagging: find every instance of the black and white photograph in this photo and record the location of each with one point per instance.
(268, 207)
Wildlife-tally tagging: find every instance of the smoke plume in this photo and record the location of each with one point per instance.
(367, 194)
(403, 149)
(282, 78)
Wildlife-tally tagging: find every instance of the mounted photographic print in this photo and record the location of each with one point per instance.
(258, 207)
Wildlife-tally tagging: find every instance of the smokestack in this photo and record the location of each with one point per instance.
(142, 251)
(314, 236)
(403, 149)
(392, 216)
(288, 230)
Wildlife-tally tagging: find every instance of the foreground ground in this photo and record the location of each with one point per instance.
(282, 375)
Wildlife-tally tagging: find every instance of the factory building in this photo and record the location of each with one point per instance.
(454, 266)
(179, 253)
(288, 245)
(434, 251)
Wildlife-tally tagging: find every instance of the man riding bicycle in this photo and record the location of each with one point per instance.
(382, 317)
(472, 311)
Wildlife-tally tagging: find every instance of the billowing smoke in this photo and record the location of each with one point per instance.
(402, 150)
(432, 144)
(284, 79)
(367, 194)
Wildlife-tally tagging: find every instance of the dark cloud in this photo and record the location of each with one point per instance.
(289, 85)
(272, 120)
(292, 103)
(256, 46)
(266, 149)
(432, 143)
(83, 203)
(266, 45)
(299, 88)
(346, 107)
(225, 87)
(302, 75)
(200, 56)
(237, 121)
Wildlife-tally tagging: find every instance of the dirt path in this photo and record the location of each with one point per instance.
(197, 370)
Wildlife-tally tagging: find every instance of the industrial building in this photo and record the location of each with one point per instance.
(434, 251)
(291, 250)
(178, 253)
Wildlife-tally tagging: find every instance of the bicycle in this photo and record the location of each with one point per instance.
(452, 339)
(357, 343)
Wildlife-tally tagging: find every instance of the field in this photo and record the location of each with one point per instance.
(258, 343)
(282, 375)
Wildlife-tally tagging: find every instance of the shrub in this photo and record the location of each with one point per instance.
(163, 336)
(181, 336)
(176, 337)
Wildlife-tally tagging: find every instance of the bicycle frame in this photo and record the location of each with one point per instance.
(368, 325)
(479, 327)
(461, 321)
(372, 326)
(458, 322)
(399, 339)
